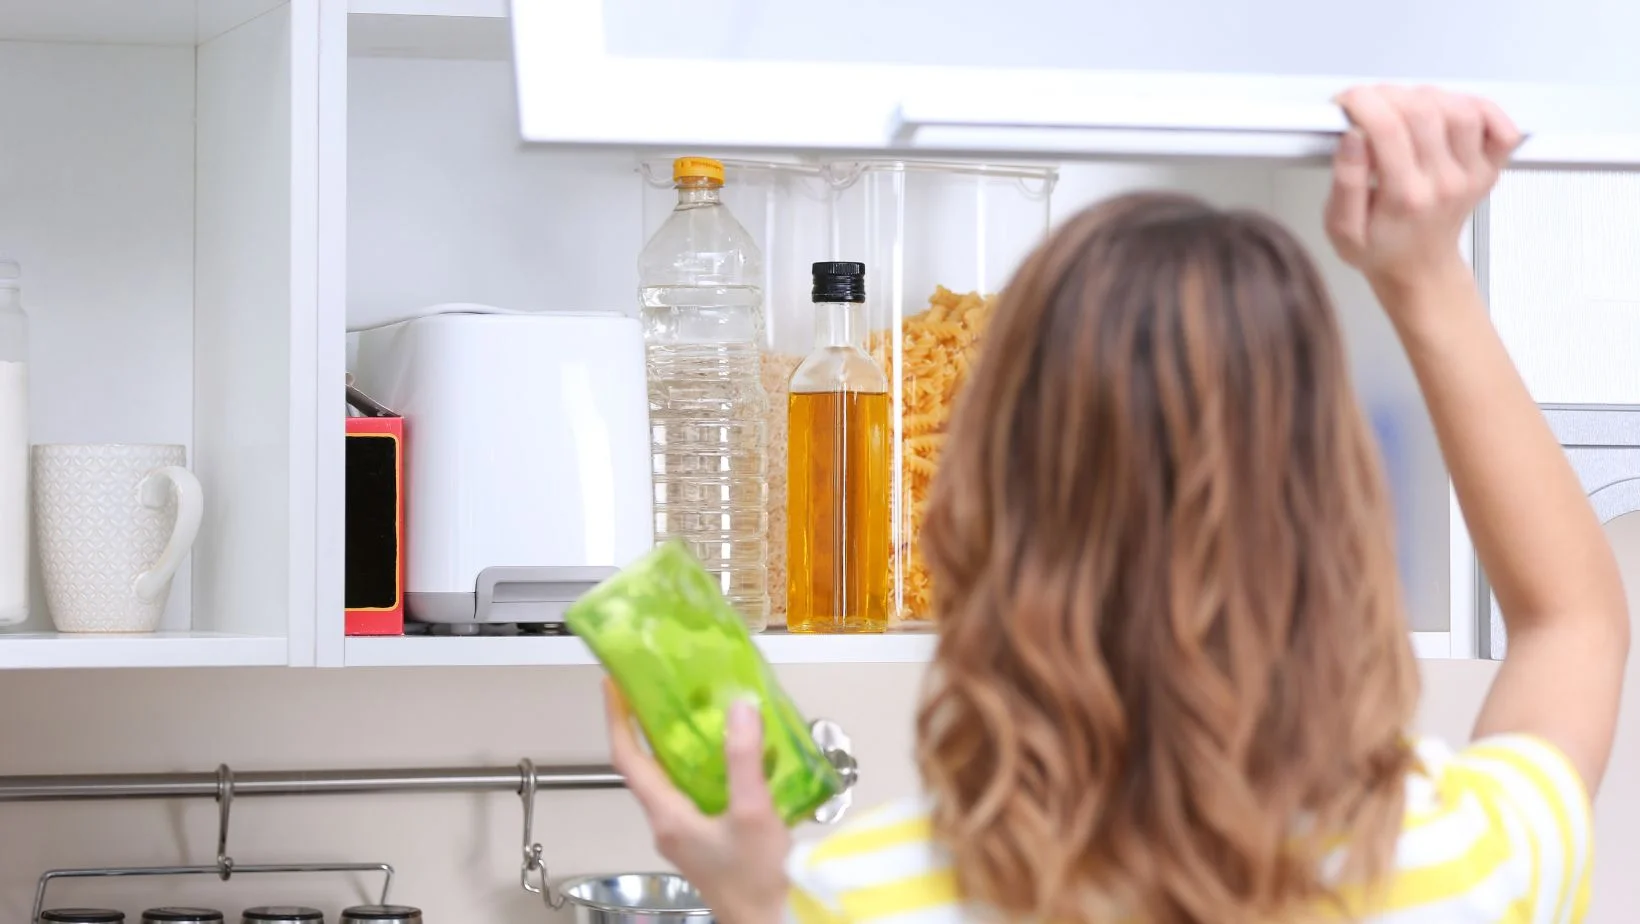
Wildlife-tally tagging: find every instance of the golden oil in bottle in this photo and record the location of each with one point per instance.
(838, 512)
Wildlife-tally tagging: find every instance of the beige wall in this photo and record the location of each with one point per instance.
(457, 855)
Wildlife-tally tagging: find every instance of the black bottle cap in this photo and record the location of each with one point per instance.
(839, 282)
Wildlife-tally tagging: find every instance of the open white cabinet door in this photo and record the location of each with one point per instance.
(1055, 77)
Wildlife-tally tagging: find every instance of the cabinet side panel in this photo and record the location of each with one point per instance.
(308, 394)
(330, 336)
(244, 305)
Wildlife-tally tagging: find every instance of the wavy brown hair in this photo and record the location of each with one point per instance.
(1173, 674)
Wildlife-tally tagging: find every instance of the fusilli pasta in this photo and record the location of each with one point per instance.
(937, 347)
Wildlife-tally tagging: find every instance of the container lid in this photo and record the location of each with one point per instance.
(282, 913)
(381, 913)
(82, 916)
(839, 282)
(697, 168)
(183, 915)
(10, 274)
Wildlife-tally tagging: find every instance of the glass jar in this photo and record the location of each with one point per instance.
(14, 503)
(939, 240)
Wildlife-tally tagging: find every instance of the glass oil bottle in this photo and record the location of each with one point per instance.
(838, 469)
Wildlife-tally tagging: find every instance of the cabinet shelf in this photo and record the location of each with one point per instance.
(501, 651)
(213, 649)
(778, 648)
(162, 649)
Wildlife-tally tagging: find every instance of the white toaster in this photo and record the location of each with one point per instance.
(527, 459)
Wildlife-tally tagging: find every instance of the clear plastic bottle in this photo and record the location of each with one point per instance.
(699, 282)
(14, 506)
(838, 478)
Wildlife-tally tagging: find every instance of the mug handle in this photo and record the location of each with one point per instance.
(190, 508)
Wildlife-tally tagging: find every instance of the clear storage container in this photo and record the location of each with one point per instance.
(787, 209)
(939, 241)
(682, 658)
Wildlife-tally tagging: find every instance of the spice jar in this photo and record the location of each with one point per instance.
(381, 914)
(182, 916)
(81, 916)
(282, 914)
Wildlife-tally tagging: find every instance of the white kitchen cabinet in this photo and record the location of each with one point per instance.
(205, 193)
(158, 187)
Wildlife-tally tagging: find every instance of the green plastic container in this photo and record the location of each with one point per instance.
(682, 656)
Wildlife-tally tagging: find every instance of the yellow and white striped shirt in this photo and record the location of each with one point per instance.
(1498, 833)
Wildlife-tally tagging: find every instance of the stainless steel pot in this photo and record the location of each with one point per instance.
(635, 898)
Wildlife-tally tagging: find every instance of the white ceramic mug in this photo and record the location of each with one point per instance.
(114, 522)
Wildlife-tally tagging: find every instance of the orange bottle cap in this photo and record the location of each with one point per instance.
(701, 168)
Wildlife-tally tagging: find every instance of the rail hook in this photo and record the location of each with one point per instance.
(224, 799)
(532, 848)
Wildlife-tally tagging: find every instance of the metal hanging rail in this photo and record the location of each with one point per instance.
(81, 787)
(225, 786)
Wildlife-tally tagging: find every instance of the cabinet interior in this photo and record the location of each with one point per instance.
(444, 205)
(146, 176)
